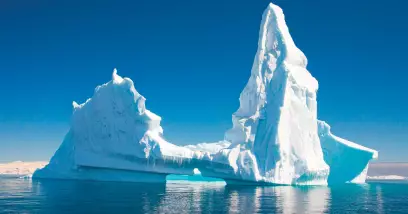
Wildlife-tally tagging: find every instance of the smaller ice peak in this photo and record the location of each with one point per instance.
(116, 79)
(325, 131)
(128, 85)
(120, 94)
(75, 105)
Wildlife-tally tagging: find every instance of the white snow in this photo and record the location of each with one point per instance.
(209, 147)
(276, 136)
(19, 169)
(196, 172)
(386, 177)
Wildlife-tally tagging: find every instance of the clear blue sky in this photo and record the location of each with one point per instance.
(191, 59)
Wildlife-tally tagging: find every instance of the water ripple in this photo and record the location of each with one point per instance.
(59, 196)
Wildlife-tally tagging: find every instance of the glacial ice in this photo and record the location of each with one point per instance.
(348, 161)
(276, 137)
(274, 129)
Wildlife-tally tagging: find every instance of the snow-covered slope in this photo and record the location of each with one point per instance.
(210, 147)
(19, 169)
(276, 136)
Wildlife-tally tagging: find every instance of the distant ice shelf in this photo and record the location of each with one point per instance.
(387, 177)
(20, 169)
(276, 137)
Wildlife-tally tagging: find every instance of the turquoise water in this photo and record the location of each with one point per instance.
(63, 196)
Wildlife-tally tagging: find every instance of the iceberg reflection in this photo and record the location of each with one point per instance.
(280, 199)
(57, 196)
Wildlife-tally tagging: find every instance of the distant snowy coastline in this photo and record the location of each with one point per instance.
(18, 169)
(387, 177)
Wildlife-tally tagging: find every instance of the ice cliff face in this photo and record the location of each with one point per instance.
(348, 161)
(276, 137)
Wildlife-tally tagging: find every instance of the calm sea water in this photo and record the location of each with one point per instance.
(59, 196)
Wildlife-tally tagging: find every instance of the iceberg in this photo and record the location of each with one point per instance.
(276, 137)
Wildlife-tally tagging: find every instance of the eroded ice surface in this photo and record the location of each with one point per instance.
(276, 137)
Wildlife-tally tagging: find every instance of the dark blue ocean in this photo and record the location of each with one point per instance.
(64, 196)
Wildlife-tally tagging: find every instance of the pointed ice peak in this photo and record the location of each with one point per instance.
(275, 39)
(115, 77)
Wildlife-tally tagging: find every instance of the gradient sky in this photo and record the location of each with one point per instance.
(191, 59)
